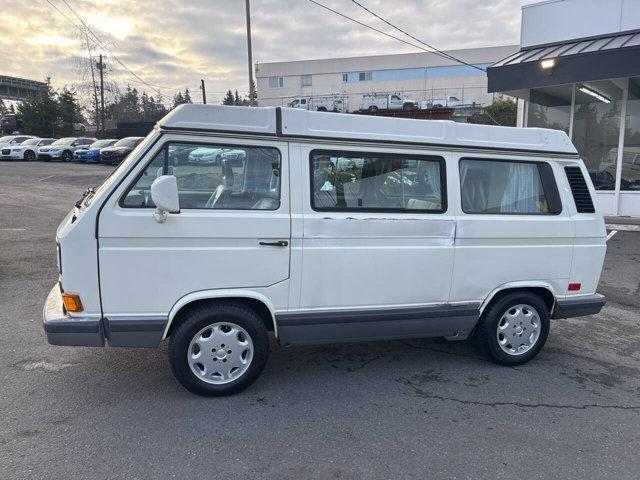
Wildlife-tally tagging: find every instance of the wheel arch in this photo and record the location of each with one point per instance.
(256, 301)
(543, 289)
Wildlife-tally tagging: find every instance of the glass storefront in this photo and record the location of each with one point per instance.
(592, 114)
(596, 129)
(550, 107)
(630, 175)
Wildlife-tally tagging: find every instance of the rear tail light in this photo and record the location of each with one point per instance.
(574, 287)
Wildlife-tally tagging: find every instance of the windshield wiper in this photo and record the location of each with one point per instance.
(87, 192)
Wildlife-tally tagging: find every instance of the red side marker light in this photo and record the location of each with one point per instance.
(574, 287)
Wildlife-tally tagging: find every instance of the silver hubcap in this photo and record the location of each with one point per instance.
(220, 353)
(518, 329)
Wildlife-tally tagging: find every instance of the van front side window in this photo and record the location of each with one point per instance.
(218, 177)
(508, 187)
(349, 181)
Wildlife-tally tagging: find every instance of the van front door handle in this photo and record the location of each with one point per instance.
(279, 243)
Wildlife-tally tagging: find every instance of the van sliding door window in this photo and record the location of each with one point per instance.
(218, 177)
(508, 187)
(352, 181)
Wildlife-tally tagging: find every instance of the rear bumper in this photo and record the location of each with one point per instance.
(64, 330)
(579, 306)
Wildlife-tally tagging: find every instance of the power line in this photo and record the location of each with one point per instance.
(436, 50)
(101, 43)
(419, 47)
(368, 26)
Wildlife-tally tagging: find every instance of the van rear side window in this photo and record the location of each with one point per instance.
(508, 187)
(354, 181)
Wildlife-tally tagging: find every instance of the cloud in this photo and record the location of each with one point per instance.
(171, 44)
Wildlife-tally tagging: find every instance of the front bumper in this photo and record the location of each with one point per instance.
(579, 306)
(49, 155)
(64, 330)
(12, 156)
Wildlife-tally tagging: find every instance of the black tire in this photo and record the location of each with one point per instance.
(407, 106)
(373, 108)
(29, 155)
(487, 330)
(322, 109)
(66, 156)
(201, 317)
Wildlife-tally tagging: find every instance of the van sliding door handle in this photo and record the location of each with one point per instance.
(279, 243)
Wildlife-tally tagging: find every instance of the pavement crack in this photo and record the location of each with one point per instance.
(421, 393)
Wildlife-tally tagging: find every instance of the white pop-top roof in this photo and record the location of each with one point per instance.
(294, 122)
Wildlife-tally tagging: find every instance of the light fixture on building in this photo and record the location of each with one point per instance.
(548, 63)
(594, 94)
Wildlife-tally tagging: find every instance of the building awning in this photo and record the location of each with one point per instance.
(597, 58)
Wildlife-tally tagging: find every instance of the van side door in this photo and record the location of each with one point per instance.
(232, 231)
(377, 247)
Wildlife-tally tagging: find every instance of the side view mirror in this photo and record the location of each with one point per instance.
(164, 193)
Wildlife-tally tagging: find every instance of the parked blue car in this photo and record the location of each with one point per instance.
(91, 154)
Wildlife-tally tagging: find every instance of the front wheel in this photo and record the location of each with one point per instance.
(219, 350)
(67, 156)
(514, 329)
(29, 156)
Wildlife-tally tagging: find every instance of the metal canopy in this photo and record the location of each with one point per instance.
(597, 58)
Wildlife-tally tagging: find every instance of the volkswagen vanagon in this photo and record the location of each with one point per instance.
(328, 228)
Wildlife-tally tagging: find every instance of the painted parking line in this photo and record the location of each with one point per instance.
(12, 229)
(623, 228)
(611, 234)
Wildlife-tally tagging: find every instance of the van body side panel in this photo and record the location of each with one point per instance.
(194, 250)
(590, 242)
(497, 249)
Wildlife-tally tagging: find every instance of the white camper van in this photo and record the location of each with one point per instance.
(332, 228)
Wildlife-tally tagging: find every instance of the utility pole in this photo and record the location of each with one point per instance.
(101, 69)
(93, 78)
(204, 92)
(249, 55)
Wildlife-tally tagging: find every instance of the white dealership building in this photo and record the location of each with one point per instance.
(420, 76)
(578, 69)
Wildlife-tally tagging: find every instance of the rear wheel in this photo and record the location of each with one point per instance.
(514, 329)
(373, 108)
(219, 349)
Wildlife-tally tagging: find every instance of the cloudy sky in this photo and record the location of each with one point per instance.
(171, 44)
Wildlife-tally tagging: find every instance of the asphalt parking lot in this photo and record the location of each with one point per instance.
(386, 410)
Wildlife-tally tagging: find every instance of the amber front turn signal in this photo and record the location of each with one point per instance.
(72, 302)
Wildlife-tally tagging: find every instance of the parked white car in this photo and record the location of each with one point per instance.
(373, 102)
(27, 150)
(335, 229)
(13, 140)
(64, 148)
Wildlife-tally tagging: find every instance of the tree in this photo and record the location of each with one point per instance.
(503, 112)
(182, 98)
(69, 110)
(187, 96)
(500, 112)
(228, 99)
(40, 114)
(236, 99)
(3, 108)
(126, 107)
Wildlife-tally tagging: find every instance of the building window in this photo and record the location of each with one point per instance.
(504, 187)
(352, 181)
(550, 107)
(276, 82)
(364, 76)
(305, 80)
(596, 129)
(630, 179)
(345, 77)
